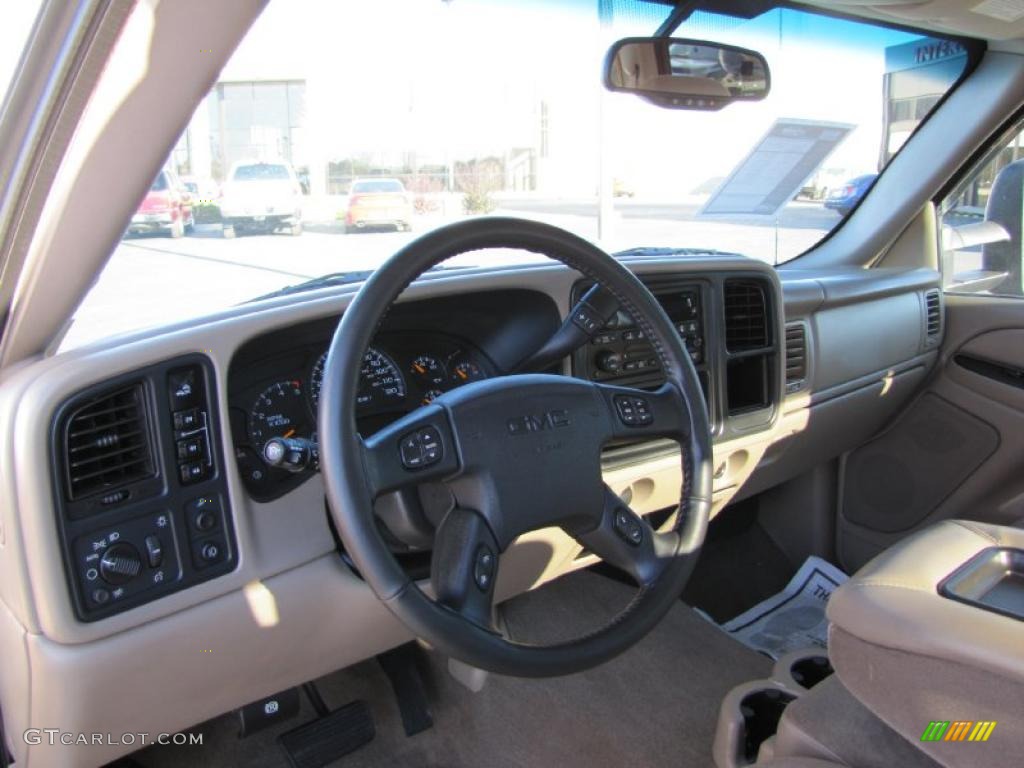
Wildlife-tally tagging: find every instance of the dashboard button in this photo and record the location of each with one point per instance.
(203, 514)
(185, 421)
(184, 388)
(192, 472)
(190, 448)
(208, 552)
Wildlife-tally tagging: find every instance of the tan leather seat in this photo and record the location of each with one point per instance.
(913, 656)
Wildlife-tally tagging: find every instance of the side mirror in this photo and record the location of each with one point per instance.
(1005, 208)
(686, 74)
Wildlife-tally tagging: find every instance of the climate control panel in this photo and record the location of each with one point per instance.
(142, 498)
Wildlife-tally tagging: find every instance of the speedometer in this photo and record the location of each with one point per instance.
(381, 384)
(380, 381)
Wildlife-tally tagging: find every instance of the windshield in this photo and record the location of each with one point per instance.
(496, 107)
(159, 183)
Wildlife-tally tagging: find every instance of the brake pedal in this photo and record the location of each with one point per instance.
(330, 737)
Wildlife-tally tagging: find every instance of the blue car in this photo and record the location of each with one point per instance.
(845, 197)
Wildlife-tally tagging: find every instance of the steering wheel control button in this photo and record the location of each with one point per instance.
(120, 564)
(628, 527)
(633, 411)
(421, 448)
(154, 551)
(587, 320)
(483, 567)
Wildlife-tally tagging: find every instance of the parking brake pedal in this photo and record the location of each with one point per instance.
(330, 737)
(400, 666)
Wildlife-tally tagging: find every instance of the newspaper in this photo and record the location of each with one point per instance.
(793, 618)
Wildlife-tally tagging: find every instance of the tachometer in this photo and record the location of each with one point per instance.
(279, 411)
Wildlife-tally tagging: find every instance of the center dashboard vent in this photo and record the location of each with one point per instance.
(746, 316)
(107, 443)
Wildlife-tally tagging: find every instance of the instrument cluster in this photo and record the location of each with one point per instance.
(398, 373)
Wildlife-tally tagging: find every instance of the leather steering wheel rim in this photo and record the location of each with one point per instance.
(355, 469)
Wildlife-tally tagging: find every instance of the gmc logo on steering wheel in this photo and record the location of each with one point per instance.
(520, 425)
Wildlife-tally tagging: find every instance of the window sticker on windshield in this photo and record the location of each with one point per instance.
(777, 168)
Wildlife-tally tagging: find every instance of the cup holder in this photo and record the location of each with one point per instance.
(810, 671)
(761, 712)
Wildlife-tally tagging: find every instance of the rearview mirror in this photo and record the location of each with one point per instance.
(686, 74)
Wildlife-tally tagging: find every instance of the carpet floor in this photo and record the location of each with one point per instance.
(655, 705)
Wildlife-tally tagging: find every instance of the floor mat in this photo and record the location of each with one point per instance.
(794, 618)
(739, 565)
(655, 705)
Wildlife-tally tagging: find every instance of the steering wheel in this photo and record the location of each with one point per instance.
(518, 453)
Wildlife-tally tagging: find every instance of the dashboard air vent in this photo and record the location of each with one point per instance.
(106, 443)
(934, 305)
(746, 316)
(796, 356)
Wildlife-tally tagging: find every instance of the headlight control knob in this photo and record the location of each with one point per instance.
(120, 563)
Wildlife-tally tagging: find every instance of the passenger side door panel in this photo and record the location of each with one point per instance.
(956, 451)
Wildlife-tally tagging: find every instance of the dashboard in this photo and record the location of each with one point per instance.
(200, 544)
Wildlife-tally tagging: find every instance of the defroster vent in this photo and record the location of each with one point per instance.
(107, 443)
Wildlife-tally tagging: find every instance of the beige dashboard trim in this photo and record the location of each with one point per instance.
(30, 395)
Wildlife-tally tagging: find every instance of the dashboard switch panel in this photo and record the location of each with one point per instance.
(125, 546)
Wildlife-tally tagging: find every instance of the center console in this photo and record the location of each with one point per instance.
(727, 323)
(932, 629)
(142, 502)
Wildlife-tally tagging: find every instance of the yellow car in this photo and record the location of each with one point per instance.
(378, 203)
